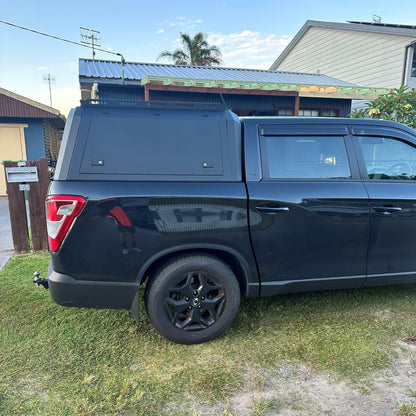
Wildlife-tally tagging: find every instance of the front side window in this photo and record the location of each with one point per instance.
(304, 157)
(387, 158)
(413, 71)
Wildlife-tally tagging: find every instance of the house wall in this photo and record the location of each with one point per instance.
(35, 145)
(12, 147)
(342, 105)
(241, 104)
(361, 58)
(33, 135)
(411, 68)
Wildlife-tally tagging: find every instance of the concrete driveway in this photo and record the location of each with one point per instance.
(6, 241)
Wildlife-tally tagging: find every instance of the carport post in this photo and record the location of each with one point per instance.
(146, 93)
(296, 109)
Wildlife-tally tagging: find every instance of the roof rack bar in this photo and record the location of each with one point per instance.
(154, 104)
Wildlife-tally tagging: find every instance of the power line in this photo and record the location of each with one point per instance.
(58, 38)
(123, 61)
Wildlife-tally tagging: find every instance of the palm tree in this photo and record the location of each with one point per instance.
(195, 51)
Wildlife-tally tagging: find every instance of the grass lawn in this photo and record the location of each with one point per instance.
(71, 361)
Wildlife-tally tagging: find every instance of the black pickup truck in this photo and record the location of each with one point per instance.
(201, 207)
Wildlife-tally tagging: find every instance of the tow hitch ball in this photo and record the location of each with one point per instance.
(40, 280)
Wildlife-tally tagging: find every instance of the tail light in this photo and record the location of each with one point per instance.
(61, 211)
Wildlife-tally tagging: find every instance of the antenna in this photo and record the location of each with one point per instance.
(123, 61)
(90, 37)
(376, 18)
(50, 79)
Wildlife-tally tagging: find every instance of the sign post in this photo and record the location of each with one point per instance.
(31, 179)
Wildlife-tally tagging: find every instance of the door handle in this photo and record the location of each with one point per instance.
(387, 210)
(271, 210)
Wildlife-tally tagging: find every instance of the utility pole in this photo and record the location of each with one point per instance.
(50, 79)
(90, 37)
(376, 18)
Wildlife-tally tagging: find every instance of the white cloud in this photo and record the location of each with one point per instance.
(183, 22)
(161, 30)
(42, 68)
(249, 49)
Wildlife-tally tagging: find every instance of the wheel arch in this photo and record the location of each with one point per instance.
(238, 264)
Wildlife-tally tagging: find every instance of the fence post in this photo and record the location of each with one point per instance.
(36, 198)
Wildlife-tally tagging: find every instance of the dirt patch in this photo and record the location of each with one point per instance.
(32, 387)
(301, 392)
(411, 340)
(295, 390)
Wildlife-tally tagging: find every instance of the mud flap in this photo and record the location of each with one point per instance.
(135, 308)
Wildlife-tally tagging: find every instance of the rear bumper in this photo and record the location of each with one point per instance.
(67, 291)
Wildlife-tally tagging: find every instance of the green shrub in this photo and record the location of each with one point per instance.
(398, 105)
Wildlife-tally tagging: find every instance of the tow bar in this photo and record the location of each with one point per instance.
(40, 280)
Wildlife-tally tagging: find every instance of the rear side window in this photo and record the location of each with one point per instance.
(308, 157)
(124, 144)
(387, 158)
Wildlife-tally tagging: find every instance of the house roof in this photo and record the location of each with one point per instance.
(205, 79)
(15, 105)
(381, 25)
(135, 72)
(384, 28)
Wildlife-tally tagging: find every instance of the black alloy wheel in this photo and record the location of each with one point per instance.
(195, 301)
(192, 299)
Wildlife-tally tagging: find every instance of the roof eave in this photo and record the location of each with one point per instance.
(338, 95)
(242, 87)
(109, 81)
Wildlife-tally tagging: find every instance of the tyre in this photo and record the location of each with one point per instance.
(192, 299)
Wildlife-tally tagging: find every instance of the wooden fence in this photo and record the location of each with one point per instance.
(36, 194)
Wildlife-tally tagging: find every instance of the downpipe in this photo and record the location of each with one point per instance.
(40, 281)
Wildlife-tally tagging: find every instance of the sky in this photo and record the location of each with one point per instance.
(250, 34)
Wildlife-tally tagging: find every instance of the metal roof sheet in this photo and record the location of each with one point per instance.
(135, 71)
(15, 105)
(381, 24)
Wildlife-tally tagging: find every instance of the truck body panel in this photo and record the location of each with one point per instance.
(280, 205)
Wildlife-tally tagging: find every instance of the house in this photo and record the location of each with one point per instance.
(28, 130)
(362, 53)
(245, 91)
